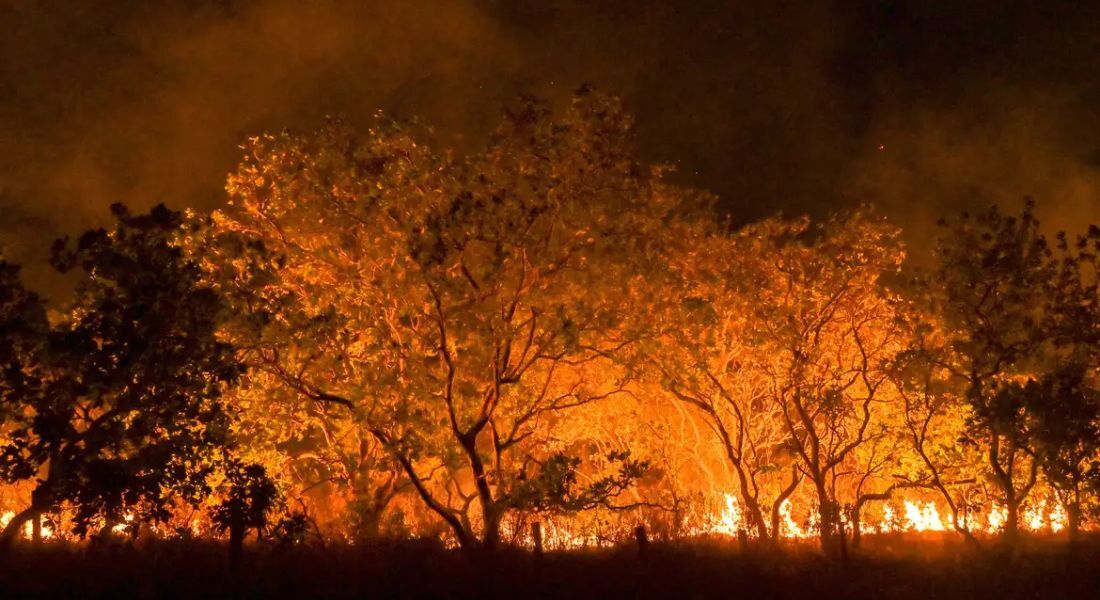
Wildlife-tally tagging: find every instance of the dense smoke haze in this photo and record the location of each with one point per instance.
(919, 109)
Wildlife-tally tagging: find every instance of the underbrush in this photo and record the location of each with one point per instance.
(925, 567)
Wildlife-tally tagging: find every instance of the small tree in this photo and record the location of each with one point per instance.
(249, 497)
(122, 411)
(935, 415)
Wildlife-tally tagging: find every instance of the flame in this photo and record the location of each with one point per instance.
(1057, 517)
(28, 527)
(121, 527)
(889, 520)
(923, 516)
(997, 517)
(730, 521)
(787, 526)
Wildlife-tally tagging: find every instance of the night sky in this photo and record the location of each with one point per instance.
(919, 107)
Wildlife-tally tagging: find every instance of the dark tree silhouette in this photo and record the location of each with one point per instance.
(122, 412)
(1022, 326)
(1063, 405)
(23, 329)
(250, 496)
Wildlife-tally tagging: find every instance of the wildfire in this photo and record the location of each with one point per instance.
(997, 517)
(910, 515)
(923, 516)
(787, 526)
(28, 528)
(730, 521)
(906, 515)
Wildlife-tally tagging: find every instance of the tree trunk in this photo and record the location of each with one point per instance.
(756, 516)
(841, 538)
(1073, 521)
(826, 521)
(855, 517)
(36, 529)
(796, 477)
(825, 528)
(490, 511)
(536, 537)
(1012, 520)
(12, 529)
(490, 538)
(236, 544)
(642, 538)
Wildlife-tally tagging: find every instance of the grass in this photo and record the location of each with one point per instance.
(893, 567)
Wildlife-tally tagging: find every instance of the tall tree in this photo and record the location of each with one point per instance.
(474, 296)
(988, 286)
(1062, 402)
(700, 353)
(122, 411)
(822, 331)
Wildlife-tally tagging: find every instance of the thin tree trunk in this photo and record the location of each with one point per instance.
(1012, 520)
(1073, 521)
(236, 544)
(796, 477)
(536, 537)
(15, 526)
(855, 517)
(491, 536)
(826, 520)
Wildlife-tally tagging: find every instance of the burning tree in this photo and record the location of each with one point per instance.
(935, 414)
(821, 334)
(701, 354)
(467, 301)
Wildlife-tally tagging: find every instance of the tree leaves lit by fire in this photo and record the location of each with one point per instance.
(378, 338)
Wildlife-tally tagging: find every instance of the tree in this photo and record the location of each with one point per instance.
(23, 328)
(700, 353)
(248, 498)
(988, 286)
(935, 416)
(470, 299)
(121, 412)
(1063, 401)
(822, 332)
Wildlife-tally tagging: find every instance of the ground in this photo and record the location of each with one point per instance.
(926, 568)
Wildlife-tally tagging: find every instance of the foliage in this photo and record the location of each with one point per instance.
(399, 340)
(454, 308)
(123, 412)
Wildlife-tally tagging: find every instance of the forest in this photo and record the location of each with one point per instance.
(545, 346)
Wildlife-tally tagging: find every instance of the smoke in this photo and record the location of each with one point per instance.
(150, 104)
(774, 106)
(926, 164)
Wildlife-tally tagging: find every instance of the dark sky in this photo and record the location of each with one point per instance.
(918, 106)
